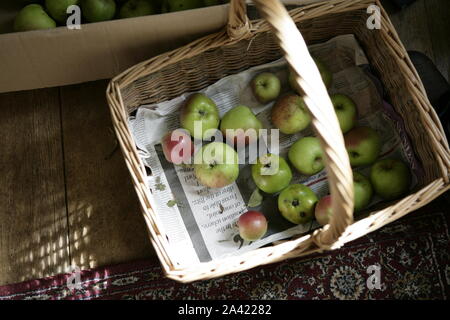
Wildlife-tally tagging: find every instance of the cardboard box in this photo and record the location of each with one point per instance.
(54, 57)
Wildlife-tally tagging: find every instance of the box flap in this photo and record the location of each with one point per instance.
(55, 57)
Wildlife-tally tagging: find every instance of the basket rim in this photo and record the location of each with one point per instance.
(305, 244)
(221, 37)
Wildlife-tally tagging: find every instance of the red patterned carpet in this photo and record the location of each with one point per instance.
(413, 254)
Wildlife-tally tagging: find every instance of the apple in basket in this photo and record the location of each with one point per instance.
(362, 195)
(345, 110)
(177, 146)
(296, 203)
(290, 114)
(306, 155)
(216, 165)
(362, 190)
(240, 126)
(390, 178)
(252, 225)
(325, 73)
(199, 115)
(363, 145)
(323, 210)
(271, 173)
(266, 87)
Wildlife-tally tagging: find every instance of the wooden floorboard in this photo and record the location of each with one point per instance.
(105, 222)
(33, 218)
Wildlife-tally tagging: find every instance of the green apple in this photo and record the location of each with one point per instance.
(216, 165)
(33, 17)
(240, 125)
(325, 73)
(98, 10)
(179, 5)
(290, 114)
(271, 173)
(266, 87)
(296, 203)
(362, 196)
(323, 210)
(58, 9)
(363, 145)
(345, 110)
(199, 110)
(27, 1)
(390, 178)
(208, 3)
(137, 8)
(362, 189)
(306, 155)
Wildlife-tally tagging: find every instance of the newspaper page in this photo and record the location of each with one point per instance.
(200, 222)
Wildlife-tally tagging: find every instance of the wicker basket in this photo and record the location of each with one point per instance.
(245, 44)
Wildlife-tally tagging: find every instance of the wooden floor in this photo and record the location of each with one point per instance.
(65, 194)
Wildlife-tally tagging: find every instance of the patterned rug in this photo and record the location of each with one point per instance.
(411, 258)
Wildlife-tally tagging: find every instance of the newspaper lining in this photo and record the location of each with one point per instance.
(199, 221)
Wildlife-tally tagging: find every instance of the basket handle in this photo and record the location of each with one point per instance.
(322, 112)
(238, 23)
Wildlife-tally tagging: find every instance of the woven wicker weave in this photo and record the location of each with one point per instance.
(244, 44)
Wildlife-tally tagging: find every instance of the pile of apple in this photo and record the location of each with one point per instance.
(47, 15)
(216, 165)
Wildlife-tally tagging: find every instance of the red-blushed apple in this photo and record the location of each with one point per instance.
(216, 165)
(266, 87)
(362, 190)
(306, 155)
(240, 126)
(296, 203)
(199, 115)
(177, 146)
(345, 110)
(290, 114)
(390, 178)
(323, 210)
(252, 225)
(363, 145)
(271, 173)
